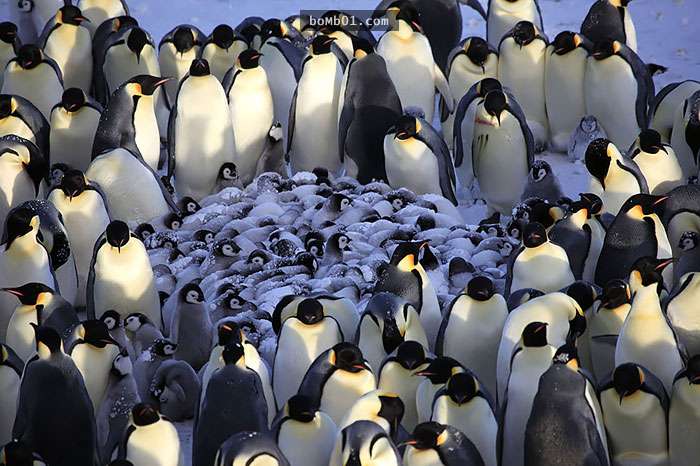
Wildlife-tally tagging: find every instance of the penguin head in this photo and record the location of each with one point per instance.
(144, 414)
(229, 332)
(122, 365)
(477, 50)
(391, 408)
(539, 171)
(73, 99)
(310, 311)
(205, 236)
(95, 333)
(592, 202)
(459, 265)
(515, 229)
(111, 319)
(8, 32)
(441, 369)
(137, 40)
(315, 247)
(583, 293)
(620, 3)
(588, 124)
(567, 354)
(599, 154)
(163, 347)
(348, 357)
(72, 15)
(691, 113)
(406, 255)
(118, 234)
(605, 49)
(647, 271)
(183, 39)
(409, 14)
(226, 248)
(144, 231)
(650, 141)
(524, 32)
(56, 173)
(361, 47)
(48, 341)
(322, 44)
(535, 335)
(16, 453)
(173, 221)
(228, 172)
(301, 408)
(534, 235)
(410, 355)
(428, 436)
(258, 257)
(339, 202)
(565, 42)
(234, 354)
(692, 370)
(145, 85)
(223, 36)
(271, 28)
(29, 56)
(31, 294)
(73, 183)
(192, 294)
(480, 288)
(487, 85)
(8, 106)
(495, 103)
(688, 241)
(639, 206)
(406, 127)
(627, 379)
(615, 294)
(135, 320)
(339, 241)
(19, 222)
(249, 59)
(462, 387)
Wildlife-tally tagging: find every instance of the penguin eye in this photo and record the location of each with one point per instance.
(541, 174)
(175, 225)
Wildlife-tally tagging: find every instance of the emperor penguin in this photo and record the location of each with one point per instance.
(195, 162)
(678, 304)
(41, 414)
(614, 177)
(150, 438)
(657, 162)
(413, 146)
(531, 358)
(191, 327)
(386, 322)
(564, 70)
(313, 116)
(341, 309)
(364, 443)
(221, 49)
(9, 44)
(68, 41)
(610, 20)
(647, 326)
(436, 374)
(251, 106)
(504, 14)
(23, 168)
(177, 387)
(19, 117)
(367, 109)
(467, 406)
(11, 368)
(98, 11)
(471, 61)
(251, 448)
(305, 434)
(662, 110)
(618, 88)
(685, 135)
(397, 374)
(542, 183)
(683, 415)
(337, 379)
(521, 68)
(39, 14)
(301, 340)
(539, 264)
(435, 443)
(471, 329)
(407, 53)
(74, 122)
(116, 251)
(380, 407)
(34, 76)
(77, 199)
(176, 51)
(636, 232)
(631, 396)
(102, 40)
(501, 138)
(605, 323)
(17, 452)
(232, 403)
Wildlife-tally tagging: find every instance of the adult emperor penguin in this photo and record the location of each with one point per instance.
(341, 309)
(683, 415)
(98, 11)
(191, 327)
(195, 162)
(438, 444)
(530, 359)
(109, 287)
(67, 40)
(413, 146)
(151, 439)
(465, 405)
(34, 76)
(383, 408)
(369, 105)
(41, 414)
(618, 88)
(565, 67)
(436, 374)
(604, 325)
(251, 448)
(313, 115)
(610, 20)
(662, 110)
(501, 122)
(337, 379)
(636, 232)
(471, 329)
(102, 40)
(251, 106)
(634, 395)
(23, 169)
(19, 117)
(9, 44)
(685, 136)
(364, 443)
(176, 51)
(74, 122)
(470, 62)
(221, 50)
(301, 340)
(504, 14)
(11, 368)
(539, 264)
(657, 162)
(305, 434)
(614, 177)
(411, 65)
(678, 305)
(521, 68)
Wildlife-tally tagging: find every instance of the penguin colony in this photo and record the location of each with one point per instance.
(257, 230)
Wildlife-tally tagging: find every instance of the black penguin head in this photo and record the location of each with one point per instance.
(228, 171)
(20, 222)
(462, 387)
(391, 409)
(249, 59)
(228, 332)
(583, 293)
(258, 257)
(539, 170)
(688, 241)
(410, 354)
(692, 370)
(118, 234)
(428, 435)
(136, 41)
(96, 333)
(480, 288)
(73, 183)
(147, 85)
(163, 348)
(7, 106)
(16, 453)
(111, 319)
(46, 339)
(183, 39)
(199, 67)
(406, 127)
(361, 47)
(8, 32)
(440, 370)
(144, 414)
(322, 44)
(477, 50)
(223, 36)
(271, 28)
(459, 265)
(535, 335)
(233, 353)
(348, 357)
(627, 379)
(301, 408)
(565, 42)
(310, 311)
(410, 15)
(72, 15)
(227, 248)
(28, 294)
(144, 231)
(524, 32)
(648, 270)
(173, 221)
(605, 49)
(205, 236)
(192, 294)
(615, 294)
(29, 56)
(487, 85)
(650, 141)
(534, 235)
(592, 202)
(339, 202)
(567, 354)
(640, 205)
(691, 112)
(407, 254)
(598, 157)
(73, 99)
(495, 103)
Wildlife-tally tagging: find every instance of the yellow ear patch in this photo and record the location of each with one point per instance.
(408, 263)
(418, 126)
(13, 105)
(4, 355)
(641, 375)
(616, 46)
(577, 40)
(442, 438)
(34, 222)
(332, 358)
(360, 54)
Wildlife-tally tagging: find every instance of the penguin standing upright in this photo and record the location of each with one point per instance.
(685, 135)
(434, 443)
(683, 415)
(9, 44)
(195, 162)
(102, 39)
(410, 62)
(436, 374)
(74, 123)
(11, 368)
(251, 448)
(364, 443)
(524, 48)
(22, 169)
(605, 324)
(504, 14)
(34, 76)
(176, 51)
(657, 162)
(678, 305)
(191, 327)
(610, 20)
(150, 439)
(662, 110)
(221, 50)
(19, 117)
(98, 11)
(542, 183)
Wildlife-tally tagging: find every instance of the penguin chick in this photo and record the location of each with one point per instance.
(542, 183)
(141, 331)
(191, 327)
(146, 365)
(587, 131)
(176, 387)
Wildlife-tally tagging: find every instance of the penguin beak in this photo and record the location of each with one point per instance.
(81, 18)
(425, 373)
(664, 263)
(13, 291)
(659, 200)
(417, 27)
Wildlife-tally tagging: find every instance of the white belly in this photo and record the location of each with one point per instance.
(15, 184)
(630, 31)
(665, 113)
(98, 11)
(147, 133)
(282, 82)
(220, 60)
(342, 390)
(20, 333)
(619, 186)
(7, 53)
(545, 268)
(72, 135)
(121, 65)
(396, 379)
(16, 126)
(405, 159)
(175, 65)
(308, 443)
(503, 15)
(565, 102)
(94, 364)
(681, 311)
(424, 399)
(71, 48)
(155, 445)
(39, 85)
(9, 395)
(684, 424)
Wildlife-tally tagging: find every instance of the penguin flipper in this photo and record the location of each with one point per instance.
(291, 122)
(346, 117)
(172, 140)
(630, 166)
(446, 169)
(460, 113)
(474, 4)
(90, 288)
(518, 113)
(443, 88)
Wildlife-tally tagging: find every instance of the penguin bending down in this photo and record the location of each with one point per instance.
(364, 443)
(98, 11)
(438, 444)
(150, 439)
(251, 448)
(610, 20)
(19, 117)
(22, 169)
(74, 123)
(662, 110)
(657, 162)
(176, 51)
(221, 50)
(504, 14)
(685, 136)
